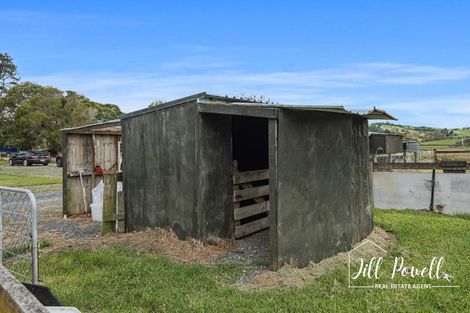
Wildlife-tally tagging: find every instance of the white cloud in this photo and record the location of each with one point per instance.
(352, 86)
(453, 104)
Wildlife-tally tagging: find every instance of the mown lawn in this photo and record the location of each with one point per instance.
(10, 180)
(120, 280)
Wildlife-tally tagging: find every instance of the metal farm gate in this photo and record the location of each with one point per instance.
(18, 233)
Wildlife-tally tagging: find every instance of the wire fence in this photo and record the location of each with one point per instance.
(18, 233)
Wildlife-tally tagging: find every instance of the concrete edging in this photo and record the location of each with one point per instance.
(15, 298)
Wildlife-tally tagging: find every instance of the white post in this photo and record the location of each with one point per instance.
(34, 239)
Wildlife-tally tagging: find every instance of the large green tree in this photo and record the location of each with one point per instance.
(32, 115)
(8, 74)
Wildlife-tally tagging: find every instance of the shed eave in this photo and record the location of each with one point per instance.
(91, 127)
(238, 109)
(376, 114)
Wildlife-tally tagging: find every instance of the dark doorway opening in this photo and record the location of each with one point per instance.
(250, 152)
(250, 143)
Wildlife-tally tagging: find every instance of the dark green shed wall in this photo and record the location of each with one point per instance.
(159, 162)
(215, 186)
(324, 201)
(178, 172)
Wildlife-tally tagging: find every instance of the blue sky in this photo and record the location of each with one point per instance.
(411, 58)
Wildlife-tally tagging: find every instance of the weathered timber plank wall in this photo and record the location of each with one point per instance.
(215, 176)
(79, 152)
(160, 170)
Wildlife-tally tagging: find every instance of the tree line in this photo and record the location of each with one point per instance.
(32, 115)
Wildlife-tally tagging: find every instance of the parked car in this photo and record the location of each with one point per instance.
(27, 158)
(58, 159)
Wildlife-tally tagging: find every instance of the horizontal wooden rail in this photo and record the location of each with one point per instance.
(409, 166)
(113, 217)
(451, 151)
(251, 176)
(250, 210)
(250, 193)
(251, 227)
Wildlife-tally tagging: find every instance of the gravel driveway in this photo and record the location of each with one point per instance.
(52, 224)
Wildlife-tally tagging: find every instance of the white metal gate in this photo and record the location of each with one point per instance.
(18, 233)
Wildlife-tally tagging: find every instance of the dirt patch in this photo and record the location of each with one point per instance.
(160, 241)
(249, 250)
(289, 276)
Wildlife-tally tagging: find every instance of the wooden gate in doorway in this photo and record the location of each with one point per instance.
(250, 201)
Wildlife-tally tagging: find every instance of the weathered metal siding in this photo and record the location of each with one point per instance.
(215, 181)
(394, 144)
(388, 142)
(160, 169)
(376, 142)
(324, 203)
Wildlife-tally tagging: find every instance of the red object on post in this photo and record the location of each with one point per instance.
(98, 170)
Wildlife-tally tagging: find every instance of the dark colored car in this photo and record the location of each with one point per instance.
(27, 158)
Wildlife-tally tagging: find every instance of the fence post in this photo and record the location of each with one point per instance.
(34, 238)
(433, 183)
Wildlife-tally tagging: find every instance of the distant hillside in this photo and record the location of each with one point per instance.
(428, 136)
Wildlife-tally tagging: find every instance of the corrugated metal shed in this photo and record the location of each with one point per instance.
(219, 104)
(183, 161)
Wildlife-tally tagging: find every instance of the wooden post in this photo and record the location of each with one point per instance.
(433, 184)
(65, 202)
(110, 202)
(236, 205)
(83, 192)
(93, 151)
(273, 213)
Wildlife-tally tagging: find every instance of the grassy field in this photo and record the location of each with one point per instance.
(443, 144)
(10, 180)
(423, 135)
(22, 176)
(116, 279)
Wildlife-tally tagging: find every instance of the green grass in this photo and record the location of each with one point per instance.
(442, 142)
(116, 279)
(465, 216)
(10, 252)
(462, 132)
(10, 180)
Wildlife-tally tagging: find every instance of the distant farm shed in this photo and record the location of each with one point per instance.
(216, 167)
(382, 143)
(411, 145)
(89, 152)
